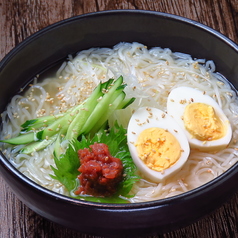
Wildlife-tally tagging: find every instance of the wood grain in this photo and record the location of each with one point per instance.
(21, 18)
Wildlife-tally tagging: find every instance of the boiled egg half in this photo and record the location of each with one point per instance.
(158, 145)
(204, 122)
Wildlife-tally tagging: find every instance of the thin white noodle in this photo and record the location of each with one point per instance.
(150, 74)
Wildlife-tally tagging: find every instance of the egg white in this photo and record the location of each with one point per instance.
(147, 117)
(179, 98)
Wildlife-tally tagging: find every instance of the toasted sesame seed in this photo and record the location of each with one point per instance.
(183, 101)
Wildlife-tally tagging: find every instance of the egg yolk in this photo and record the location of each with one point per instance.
(202, 123)
(158, 148)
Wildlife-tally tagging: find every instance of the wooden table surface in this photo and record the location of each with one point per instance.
(21, 18)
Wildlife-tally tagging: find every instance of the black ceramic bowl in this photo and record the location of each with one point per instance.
(54, 43)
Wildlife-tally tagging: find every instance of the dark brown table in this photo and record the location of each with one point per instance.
(21, 18)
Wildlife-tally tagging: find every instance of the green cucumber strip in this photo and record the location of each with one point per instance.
(126, 102)
(29, 123)
(60, 124)
(21, 139)
(110, 109)
(39, 122)
(74, 129)
(57, 147)
(38, 145)
(107, 84)
(103, 105)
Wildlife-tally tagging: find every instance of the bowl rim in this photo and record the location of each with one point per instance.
(161, 202)
(185, 20)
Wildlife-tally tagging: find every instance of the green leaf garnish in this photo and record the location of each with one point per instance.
(67, 165)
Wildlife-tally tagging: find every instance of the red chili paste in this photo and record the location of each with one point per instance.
(100, 172)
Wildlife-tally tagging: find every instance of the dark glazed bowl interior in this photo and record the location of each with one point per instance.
(105, 29)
